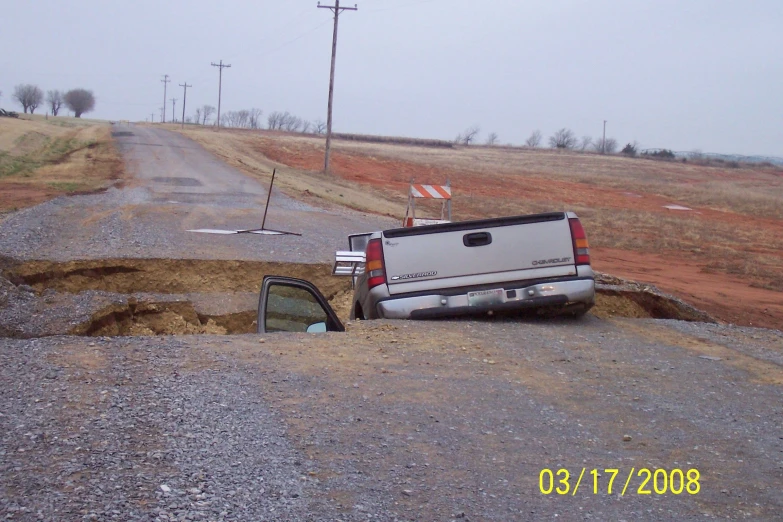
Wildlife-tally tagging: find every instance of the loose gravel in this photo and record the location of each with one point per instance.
(389, 421)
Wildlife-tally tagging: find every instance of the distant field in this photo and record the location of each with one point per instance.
(44, 158)
(732, 237)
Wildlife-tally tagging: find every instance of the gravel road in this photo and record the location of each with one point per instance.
(175, 186)
(392, 421)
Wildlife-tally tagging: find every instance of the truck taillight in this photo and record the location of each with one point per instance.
(376, 275)
(581, 248)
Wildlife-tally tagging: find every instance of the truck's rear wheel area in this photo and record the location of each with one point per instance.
(357, 312)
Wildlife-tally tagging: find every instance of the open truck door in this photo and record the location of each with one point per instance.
(287, 304)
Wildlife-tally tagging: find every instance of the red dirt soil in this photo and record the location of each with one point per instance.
(728, 298)
(22, 195)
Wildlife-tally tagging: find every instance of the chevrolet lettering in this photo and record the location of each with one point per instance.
(551, 261)
(414, 276)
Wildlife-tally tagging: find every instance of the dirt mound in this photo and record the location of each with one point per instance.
(618, 297)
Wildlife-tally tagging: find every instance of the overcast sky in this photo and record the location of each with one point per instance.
(679, 74)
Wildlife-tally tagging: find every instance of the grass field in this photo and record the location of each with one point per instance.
(733, 235)
(44, 158)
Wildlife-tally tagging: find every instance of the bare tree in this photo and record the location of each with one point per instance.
(319, 127)
(79, 101)
(492, 139)
(29, 96)
(274, 120)
(468, 136)
(197, 116)
(55, 101)
(585, 143)
(306, 126)
(255, 118)
(563, 139)
(610, 147)
(243, 118)
(534, 140)
(206, 112)
(291, 123)
(237, 119)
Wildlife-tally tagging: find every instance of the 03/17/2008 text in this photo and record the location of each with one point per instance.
(647, 482)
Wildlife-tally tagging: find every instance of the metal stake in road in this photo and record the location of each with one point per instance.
(173, 106)
(336, 9)
(184, 101)
(165, 81)
(221, 65)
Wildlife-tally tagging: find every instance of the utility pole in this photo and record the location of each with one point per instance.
(336, 9)
(603, 143)
(162, 114)
(184, 101)
(165, 81)
(173, 106)
(221, 65)
(152, 117)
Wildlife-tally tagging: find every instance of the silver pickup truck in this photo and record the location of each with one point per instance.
(535, 262)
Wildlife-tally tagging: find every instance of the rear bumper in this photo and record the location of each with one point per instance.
(542, 295)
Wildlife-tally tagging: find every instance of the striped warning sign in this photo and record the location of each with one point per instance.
(431, 191)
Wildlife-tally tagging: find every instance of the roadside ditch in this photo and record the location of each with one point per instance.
(136, 297)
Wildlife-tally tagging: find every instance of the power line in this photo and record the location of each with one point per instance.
(336, 9)
(184, 101)
(220, 86)
(165, 81)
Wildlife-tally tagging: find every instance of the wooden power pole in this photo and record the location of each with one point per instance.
(220, 85)
(184, 100)
(165, 81)
(336, 9)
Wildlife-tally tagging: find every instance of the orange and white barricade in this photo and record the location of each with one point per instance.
(438, 192)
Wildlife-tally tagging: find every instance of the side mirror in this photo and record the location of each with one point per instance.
(287, 304)
(317, 327)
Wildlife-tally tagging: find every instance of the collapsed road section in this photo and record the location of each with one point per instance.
(128, 297)
(143, 296)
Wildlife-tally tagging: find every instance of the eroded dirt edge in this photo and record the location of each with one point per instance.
(128, 297)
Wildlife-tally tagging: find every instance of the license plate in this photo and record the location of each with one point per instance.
(485, 297)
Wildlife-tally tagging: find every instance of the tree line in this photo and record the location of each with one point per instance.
(562, 139)
(251, 119)
(30, 97)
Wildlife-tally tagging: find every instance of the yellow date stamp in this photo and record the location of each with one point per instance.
(643, 481)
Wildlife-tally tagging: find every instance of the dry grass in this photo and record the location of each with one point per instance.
(752, 191)
(41, 159)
